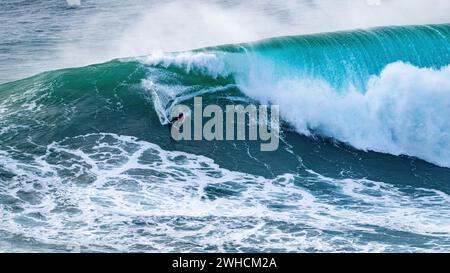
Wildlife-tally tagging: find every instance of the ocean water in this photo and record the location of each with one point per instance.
(86, 163)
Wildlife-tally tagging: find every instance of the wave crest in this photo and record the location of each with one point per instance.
(403, 111)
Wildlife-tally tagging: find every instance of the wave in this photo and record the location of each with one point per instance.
(384, 89)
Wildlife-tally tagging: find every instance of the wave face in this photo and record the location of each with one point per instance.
(86, 164)
(385, 90)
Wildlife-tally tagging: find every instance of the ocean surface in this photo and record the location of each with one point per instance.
(87, 164)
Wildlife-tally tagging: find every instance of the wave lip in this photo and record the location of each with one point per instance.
(201, 62)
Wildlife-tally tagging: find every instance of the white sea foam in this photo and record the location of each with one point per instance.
(73, 2)
(116, 193)
(207, 63)
(403, 111)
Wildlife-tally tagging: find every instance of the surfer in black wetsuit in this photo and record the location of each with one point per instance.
(175, 119)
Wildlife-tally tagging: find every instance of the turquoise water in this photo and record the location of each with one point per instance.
(363, 163)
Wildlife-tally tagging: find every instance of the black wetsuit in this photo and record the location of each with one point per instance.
(175, 119)
(172, 122)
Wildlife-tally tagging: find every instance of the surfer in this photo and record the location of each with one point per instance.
(173, 122)
(176, 119)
